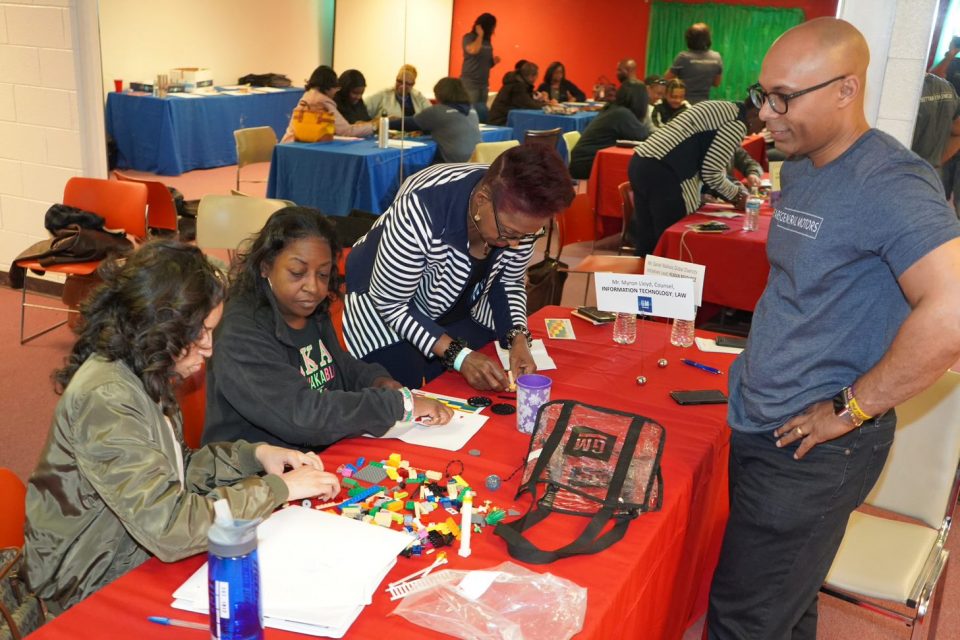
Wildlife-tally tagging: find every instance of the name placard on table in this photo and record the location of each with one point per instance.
(661, 296)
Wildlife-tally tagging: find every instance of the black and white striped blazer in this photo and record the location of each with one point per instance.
(698, 144)
(411, 267)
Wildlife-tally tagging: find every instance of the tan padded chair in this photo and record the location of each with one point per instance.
(575, 225)
(546, 137)
(894, 561)
(571, 138)
(626, 209)
(254, 145)
(225, 222)
(487, 152)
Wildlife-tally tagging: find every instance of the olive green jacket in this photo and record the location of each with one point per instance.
(107, 493)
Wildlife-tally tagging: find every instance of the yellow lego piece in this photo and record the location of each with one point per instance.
(460, 481)
(400, 495)
(452, 527)
(392, 473)
(394, 459)
(394, 505)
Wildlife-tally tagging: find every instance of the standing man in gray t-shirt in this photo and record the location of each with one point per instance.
(699, 67)
(859, 314)
(478, 59)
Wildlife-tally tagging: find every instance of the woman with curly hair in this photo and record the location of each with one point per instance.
(279, 373)
(115, 483)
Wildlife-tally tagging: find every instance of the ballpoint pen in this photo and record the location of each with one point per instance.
(701, 366)
(173, 622)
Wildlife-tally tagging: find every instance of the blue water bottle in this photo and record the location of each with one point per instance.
(233, 574)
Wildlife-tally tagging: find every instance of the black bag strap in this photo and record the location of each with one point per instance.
(587, 542)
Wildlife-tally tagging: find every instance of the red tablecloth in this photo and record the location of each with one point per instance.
(736, 262)
(651, 584)
(610, 169)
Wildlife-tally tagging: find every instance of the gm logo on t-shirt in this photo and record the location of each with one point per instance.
(806, 224)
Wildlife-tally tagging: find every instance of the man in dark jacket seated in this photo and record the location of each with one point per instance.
(518, 93)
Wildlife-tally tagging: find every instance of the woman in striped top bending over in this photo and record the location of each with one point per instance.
(687, 155)
(442, 271)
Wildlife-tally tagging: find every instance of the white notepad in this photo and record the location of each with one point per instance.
(317, 571)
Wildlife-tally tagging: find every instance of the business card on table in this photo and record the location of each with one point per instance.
(560, 329)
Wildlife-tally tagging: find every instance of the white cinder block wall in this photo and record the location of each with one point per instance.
(39, 122)
(898, 32)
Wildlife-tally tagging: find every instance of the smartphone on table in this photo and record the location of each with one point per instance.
(701, 396)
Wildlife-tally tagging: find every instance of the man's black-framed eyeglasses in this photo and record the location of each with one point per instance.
(779, 102)
(503, 237)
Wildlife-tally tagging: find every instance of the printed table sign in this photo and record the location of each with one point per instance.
(661, 296)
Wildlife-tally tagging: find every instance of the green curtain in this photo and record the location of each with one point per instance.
(741, 34)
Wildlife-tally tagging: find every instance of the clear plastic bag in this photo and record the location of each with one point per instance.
(519, 604)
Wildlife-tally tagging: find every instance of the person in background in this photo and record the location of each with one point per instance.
(557, 87)
(349, 98)
(656, 88)
(115, 484)
(280, 374)
(452, 122)
(478, 59)
(750, 169)
(623, 119)
(699, 67)
(627, 71)
(443, 270)
(518, 94)
(936, 137)
(402, 100)
(673, 103)
(322, 86)
(671, 167)
(812, 396)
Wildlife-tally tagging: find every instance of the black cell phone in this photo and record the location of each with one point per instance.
(731, 341)
(955, 43)
(703, 396)
(713, 226)
(596, 315)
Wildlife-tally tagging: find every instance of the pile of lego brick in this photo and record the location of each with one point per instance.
(392, 493)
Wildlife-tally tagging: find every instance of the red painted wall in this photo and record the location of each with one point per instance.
(589, 37)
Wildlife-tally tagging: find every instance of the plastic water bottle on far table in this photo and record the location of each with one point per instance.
(625, 328)
(751, 221)
(681, 334)
(383, 130)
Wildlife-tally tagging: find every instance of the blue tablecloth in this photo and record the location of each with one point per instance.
(337, 177)
(523, 120)
(171, 135)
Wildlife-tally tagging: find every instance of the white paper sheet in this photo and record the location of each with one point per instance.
(539, 352)
(405, 144)
(302, 583)
(186, 95)
(451, 436)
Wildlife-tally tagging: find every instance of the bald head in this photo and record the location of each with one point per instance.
(626, 70)
(824, 46)
(818, 70)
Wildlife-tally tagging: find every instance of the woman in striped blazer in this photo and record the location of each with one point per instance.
(442, 271)
(687, 155)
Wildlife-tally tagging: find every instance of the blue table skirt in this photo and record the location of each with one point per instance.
(523, 120)
(170, 136)
(337, 177)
